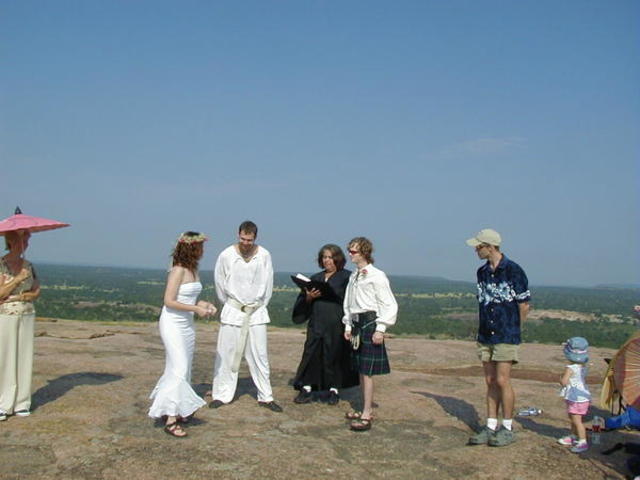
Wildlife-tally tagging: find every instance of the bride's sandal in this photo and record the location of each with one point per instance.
(175, 430)
(362, 424)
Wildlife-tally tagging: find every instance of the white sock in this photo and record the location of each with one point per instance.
(492, 423)
(507, 423)
(334, 390)
(307, 388)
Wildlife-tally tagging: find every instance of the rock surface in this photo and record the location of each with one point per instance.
(91, 383)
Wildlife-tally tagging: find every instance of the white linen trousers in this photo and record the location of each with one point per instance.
(16, 361)
(225, 381)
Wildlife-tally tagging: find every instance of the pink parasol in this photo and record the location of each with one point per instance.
(19, 221)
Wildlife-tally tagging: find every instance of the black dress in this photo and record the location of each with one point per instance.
(326, 359)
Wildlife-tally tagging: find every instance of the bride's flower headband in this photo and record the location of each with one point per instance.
(184, 238)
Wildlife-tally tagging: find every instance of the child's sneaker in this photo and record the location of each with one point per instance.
(580, 447)
(568, 441)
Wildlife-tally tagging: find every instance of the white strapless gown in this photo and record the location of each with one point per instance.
(173, 394)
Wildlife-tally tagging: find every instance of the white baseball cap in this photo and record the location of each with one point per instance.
(486, 235)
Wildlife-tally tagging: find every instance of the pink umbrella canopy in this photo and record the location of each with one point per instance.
(20, 221)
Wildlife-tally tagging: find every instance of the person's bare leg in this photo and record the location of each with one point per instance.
(573, 426)
(493, 391)
(578, 427)
(507, 395)
(366, 383)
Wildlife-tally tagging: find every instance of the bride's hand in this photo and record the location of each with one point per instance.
(201, 311)
(210, 307)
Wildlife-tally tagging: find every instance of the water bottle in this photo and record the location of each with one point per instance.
(597, 424)
(529, 412)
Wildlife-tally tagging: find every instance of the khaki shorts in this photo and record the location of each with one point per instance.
(500, 352)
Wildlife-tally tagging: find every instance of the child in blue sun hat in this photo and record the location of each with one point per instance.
(575, 392)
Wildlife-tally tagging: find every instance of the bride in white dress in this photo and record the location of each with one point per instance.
(173, 398)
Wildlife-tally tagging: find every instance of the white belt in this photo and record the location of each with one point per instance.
(247, 310)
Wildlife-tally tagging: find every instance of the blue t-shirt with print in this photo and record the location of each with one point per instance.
(499, 293)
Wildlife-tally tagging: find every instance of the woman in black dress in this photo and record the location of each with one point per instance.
(326, 362)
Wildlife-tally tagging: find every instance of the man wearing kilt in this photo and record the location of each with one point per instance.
(369, 308)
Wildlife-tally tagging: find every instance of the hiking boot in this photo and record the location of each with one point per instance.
(580, 447)
(482, 437)
(568, 441)
(502, 438)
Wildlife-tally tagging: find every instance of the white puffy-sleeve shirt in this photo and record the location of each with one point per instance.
(248, 283)
(369, 291)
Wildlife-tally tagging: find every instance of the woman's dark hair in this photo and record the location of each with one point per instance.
(337, 254)
(188, 251)
(365, 247)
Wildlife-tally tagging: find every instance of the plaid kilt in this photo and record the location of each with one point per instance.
(369, 359)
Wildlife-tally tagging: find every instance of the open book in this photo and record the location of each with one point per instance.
(305, 283)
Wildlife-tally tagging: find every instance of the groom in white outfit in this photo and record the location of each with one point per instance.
(244, 284)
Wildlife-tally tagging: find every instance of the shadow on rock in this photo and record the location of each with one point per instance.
(626, 451)
(203, 389)
(463, 411)
(550, 431)
(58, 387)
(245, 387)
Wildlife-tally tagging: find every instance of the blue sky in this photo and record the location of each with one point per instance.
(413, 123)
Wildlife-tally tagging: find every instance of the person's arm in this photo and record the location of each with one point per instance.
(564, 379)
(387, 305)
(301, 311)
(6, 287)
(28, 296)
(34, 292)
(521, 288)
(174, 281)
(346, 318)
(220, 274)
(269, 278)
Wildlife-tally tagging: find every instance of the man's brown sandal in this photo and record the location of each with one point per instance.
(361, 424)
(352, 415)
(174, 429)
